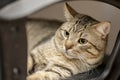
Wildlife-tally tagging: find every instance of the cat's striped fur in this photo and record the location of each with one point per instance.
(78, 46)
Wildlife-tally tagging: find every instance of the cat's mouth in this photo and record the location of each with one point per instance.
(71, 54)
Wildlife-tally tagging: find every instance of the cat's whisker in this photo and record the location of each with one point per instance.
(80, 58)
(83, 59)
(92, 71)
(83, 62)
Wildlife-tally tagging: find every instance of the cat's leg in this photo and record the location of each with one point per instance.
(36, 61)
(55, 73)
(29, 63)
(43, 75)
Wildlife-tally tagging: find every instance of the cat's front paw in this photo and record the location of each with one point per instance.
(33, 77)
(41, 75)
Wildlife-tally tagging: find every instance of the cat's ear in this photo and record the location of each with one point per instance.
(69, 12)
(103, 28)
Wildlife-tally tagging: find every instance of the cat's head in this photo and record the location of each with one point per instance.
(82, 37)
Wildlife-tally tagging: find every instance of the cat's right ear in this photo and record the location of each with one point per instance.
(103, 28)
(69, 12)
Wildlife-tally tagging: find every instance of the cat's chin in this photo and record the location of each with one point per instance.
(70, 57)
(69, 54)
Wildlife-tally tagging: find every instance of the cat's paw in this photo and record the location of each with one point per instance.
(33, 77)
(42, 75)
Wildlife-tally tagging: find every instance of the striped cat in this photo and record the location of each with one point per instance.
(77, 46)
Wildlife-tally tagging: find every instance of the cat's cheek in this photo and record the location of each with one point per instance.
(95, 61)
(61, 50)
(60, 46)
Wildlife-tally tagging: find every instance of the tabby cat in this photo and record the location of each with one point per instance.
(77, 46)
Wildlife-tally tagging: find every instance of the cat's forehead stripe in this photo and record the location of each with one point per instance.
(85, 20)
(82, 23)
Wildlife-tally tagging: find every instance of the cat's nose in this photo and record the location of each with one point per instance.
(69, 45)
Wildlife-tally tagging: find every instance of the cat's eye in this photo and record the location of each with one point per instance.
(67, 33)
(82, 41)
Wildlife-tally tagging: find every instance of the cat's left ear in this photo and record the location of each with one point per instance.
(103, 28)
(69, 12)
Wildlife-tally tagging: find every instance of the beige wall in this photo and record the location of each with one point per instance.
(98, 10)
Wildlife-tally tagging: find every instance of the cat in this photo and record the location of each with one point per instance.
(78, 46)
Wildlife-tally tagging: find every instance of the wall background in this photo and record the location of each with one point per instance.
(99, 10)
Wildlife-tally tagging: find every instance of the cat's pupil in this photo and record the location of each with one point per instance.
(82, 41)
(67, 33)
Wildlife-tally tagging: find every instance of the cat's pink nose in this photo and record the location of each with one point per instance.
(69, 45)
